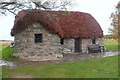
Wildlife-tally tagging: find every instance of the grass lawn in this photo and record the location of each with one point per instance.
(111, 45)
(7, 53)
(106, 67)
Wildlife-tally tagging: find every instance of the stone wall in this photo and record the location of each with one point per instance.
(49, 49)
(99, 41)
(68, 46)
(27, 48)
(87, 42)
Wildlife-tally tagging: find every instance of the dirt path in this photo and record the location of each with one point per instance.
(82, 56)
(69, 57)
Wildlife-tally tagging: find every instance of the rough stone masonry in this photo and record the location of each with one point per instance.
(50, 48)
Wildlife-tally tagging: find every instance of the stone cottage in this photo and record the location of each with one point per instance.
(49, 33)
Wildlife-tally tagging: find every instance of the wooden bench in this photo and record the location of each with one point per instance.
(95, 48)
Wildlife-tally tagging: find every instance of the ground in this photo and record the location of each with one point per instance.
(106, 67)
(89, 68)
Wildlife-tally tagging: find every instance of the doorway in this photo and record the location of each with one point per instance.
(78, 42)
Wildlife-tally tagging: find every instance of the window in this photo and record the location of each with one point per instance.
(38, 38)
(94, 40)
(62, 41)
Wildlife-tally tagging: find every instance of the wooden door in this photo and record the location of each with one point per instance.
(78, 42)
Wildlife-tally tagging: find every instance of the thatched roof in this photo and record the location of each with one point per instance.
(67, 24)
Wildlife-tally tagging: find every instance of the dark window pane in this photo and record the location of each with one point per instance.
(38, 38)
(62, 41)
(94, 41)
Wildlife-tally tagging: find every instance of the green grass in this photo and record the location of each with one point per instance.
(106, 67)
(7, 53)
(111, 45)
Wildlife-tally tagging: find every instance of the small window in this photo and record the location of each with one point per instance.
(62, 41)
(94, 40)
(38, 38)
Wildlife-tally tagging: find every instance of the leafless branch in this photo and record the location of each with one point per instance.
(14, 7)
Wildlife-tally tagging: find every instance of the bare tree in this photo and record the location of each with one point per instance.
(13, 6)
(115, 17)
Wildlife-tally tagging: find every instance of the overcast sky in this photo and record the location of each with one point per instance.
(99, 9)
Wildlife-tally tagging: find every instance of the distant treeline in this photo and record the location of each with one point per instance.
(108, 37)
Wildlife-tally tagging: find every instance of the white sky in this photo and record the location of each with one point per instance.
(99, 9)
